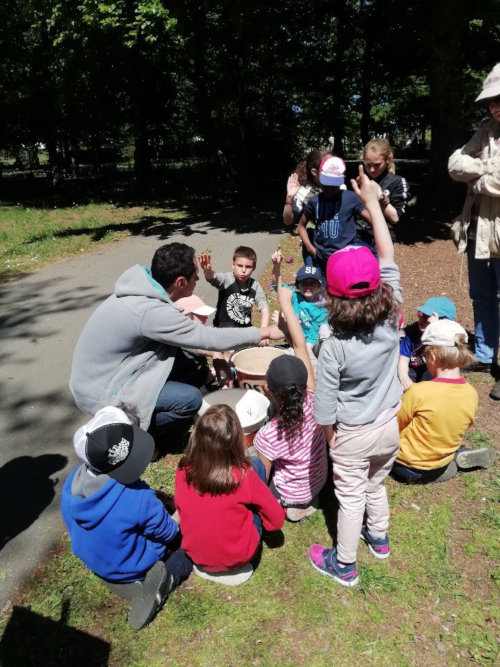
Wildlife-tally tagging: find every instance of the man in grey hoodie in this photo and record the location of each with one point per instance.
(129, 350)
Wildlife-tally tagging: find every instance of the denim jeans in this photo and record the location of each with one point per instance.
(177, 402)
(402, 473)
(408, 475)
(484, 286)
(260, 469)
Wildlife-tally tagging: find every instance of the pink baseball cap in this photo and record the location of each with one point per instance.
(352, 272)
(193, 304)
(331, 171)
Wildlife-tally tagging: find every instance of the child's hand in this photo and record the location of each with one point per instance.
(366, 189)
(205, 261)
(277, 259)
(406, 382)
(292, 185)
(433, 318)
(272, 332)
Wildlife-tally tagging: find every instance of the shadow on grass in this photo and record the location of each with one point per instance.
(32, 640)
(211, 203)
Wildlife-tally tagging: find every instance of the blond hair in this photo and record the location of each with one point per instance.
(383, 147)
(452, 357)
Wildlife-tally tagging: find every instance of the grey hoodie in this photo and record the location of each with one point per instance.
(127, 348)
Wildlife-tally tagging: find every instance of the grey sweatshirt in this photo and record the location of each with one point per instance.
(357, 375)
(127, 348)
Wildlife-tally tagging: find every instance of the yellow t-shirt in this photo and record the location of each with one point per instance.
(432, 421)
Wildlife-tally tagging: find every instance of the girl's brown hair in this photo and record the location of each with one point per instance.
(313, 161)
(452, 357)
(216, 447)
(353, 316)
(383, 147)
(289, 403)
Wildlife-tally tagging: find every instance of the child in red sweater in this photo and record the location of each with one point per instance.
(222, 499)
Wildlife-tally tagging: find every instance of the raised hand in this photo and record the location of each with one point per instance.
(205, 261)
(292, 185)
(366, 189)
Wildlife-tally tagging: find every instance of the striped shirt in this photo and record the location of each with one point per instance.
(300, 464)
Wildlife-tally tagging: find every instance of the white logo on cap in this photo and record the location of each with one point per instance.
(119, 452)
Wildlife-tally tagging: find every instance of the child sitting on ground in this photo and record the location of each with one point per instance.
(334, 212)
(222, 499)
(358, 393)
(435, 415)
(411, 365)
(309, 305)
(292, 446)
(117, 525)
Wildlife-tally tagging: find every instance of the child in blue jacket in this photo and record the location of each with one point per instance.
(118, 526)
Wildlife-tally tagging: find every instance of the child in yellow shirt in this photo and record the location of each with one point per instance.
(435, 415)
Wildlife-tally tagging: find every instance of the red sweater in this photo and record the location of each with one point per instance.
(218, 532)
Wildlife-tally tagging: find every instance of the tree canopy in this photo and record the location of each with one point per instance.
(248, 87)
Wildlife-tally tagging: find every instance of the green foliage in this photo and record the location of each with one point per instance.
(249, 90)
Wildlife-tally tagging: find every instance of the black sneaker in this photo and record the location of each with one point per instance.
(495, 392)
(151, 597)
(477, 367)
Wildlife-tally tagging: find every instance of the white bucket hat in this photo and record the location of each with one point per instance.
(491, 85)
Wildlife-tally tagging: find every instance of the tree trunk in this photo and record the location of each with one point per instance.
(447, 18)
(364, 125)
(337, 123)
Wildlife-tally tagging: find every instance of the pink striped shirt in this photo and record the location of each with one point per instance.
(300, 464)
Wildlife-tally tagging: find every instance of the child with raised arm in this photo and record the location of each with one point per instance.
(292, 446)
(308, 302)
(435, 414)
(222, 499)
(358, 392)
(238, 291)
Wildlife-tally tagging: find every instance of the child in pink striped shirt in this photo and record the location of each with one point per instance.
(292, 446)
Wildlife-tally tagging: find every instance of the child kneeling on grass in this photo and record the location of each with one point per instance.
(292, 441)
(435, 414)
(117, 525)
(222, 499)
(358, 393)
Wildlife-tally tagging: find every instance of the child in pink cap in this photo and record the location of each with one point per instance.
(358, 393)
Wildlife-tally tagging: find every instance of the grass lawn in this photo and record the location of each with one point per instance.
(433, 602)
(29, 238)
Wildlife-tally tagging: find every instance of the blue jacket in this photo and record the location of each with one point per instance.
(118, 531)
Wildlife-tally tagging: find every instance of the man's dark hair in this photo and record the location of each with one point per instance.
(171, 261)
